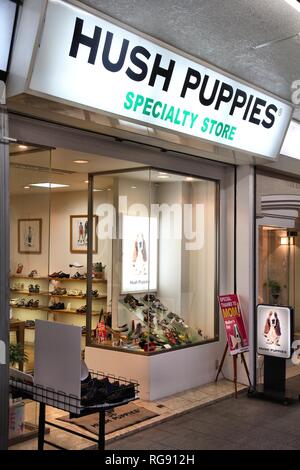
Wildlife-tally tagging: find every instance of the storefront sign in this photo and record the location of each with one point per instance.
(87, 60)
(274, 331)
(237, 337)
(7, 18)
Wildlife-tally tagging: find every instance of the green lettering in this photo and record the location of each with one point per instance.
(154, 112)
(185, 114)
(148, 105)
(232, 133)
(170, 115)
(213, 123)
(164, 111)
(176, 121)
(194, 117)
(138, 102)
(205, 125)
(219, 129)
(129, 98)
(225, 131)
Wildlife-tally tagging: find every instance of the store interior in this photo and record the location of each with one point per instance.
(154, 262)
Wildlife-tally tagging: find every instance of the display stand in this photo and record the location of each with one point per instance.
(46, 396)
(234, 359)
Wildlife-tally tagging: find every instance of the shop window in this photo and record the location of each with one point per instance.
(155, 238)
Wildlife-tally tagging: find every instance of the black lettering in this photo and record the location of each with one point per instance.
(110, 66)
(138, 77)
(256, 110)
(223, 96)
(79, 38)
(270, 115)
(210, 100)
(158, 70)
(248, 107)
(237, 103)
(188, 84)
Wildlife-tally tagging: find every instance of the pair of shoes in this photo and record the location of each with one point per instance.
(17, 286)
(82, 309)
(20, 303)
(32, 303)
(132, 301)
(33, 273)
(34, 289)
(94, 391)
(57, 306)
(149, 298)
(137, 332)
(59, 291)
(29, 324)
(121, 393)
(121, 328)
(78, 276)
(19, 268)
(60, 275)
(14, 302)
(75, 293)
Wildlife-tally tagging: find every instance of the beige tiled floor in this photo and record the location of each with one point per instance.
(166, 409)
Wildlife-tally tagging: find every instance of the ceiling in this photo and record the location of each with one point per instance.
(224, 33)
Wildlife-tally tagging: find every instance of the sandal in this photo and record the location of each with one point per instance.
(19, 268)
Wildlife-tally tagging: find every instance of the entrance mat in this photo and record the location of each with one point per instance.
(115, 419)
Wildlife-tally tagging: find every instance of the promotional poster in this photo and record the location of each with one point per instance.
(138, 244)
(274, 331)
(237, 337)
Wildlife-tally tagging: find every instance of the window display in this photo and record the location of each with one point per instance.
(159, 232)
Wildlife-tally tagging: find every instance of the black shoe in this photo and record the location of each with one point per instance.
(123, 392)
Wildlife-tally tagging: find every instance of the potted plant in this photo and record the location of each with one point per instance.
(17, 354)
(275, 290)
(98, 269)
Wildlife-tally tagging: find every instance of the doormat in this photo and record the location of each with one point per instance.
(115, 419)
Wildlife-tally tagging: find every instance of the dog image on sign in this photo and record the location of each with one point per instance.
(272, 329)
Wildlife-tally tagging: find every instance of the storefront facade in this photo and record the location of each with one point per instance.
(173, 131)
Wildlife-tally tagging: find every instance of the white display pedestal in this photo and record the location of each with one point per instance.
(159, 375)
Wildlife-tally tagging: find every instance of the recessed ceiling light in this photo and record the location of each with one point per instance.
(108, 189)
(81, 162)
(22, 147)
(162, 173)
(163, 176)
(86, 181)
(133, 187)
(26, 187)
(294, 3)
(97, 190)
(49, 185)
(189, 178)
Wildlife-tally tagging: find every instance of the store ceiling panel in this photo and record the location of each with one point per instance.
(225, 33)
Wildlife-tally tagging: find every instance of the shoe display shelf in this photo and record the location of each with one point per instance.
(45, 294)
(71, 404)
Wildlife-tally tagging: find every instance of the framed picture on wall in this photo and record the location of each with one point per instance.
(30, 236)
(79, 234)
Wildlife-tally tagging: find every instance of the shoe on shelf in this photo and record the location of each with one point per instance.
(33, 273)
(77, 276)
(29, 324)
(29, 303)
(121, 328)
(137, 332)
(63, 275)
(36, 289)
(82, 309)
(55, 274)
(19, 268)
(21, 303)
(31, 288)
(14, 302)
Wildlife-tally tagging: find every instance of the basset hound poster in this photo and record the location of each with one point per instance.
(139, 253)
(274, 330)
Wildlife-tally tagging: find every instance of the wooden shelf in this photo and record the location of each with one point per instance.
(19, 276)
(70, 279)
(25, 292)
(72, 312)
(50, 294)
(43, 309)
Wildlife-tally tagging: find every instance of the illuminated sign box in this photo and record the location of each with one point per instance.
(274, 331)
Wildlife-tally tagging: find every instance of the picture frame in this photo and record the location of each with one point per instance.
(30, 236)
(78, 234)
